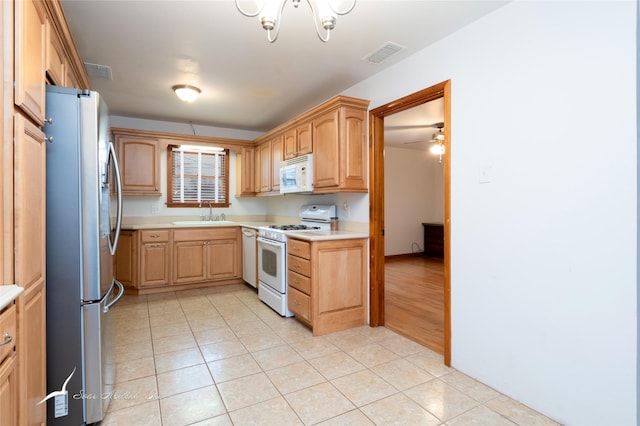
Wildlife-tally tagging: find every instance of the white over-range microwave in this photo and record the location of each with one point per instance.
(296, 175)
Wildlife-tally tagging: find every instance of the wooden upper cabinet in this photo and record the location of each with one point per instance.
(277, 145)
(335, 132)
(340, 156)
(326, 134)
(298, 140)
(29, 58)
(139, 160)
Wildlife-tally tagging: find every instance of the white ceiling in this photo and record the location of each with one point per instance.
(246, 82)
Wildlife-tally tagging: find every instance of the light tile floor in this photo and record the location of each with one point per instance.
(219, 356)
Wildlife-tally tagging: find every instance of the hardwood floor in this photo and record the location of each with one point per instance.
(414, 299)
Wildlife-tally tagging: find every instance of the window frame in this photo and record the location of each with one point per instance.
(171, 203)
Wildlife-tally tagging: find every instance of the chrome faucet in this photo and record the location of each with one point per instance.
(210, 211)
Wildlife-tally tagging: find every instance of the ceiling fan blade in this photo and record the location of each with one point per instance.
(438, 125)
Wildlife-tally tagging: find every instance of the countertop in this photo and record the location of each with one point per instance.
(302, 235)
(326, 235)
(9, 293)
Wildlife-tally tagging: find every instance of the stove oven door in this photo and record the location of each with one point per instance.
(272, 264)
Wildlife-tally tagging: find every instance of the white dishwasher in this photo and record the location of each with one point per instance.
(249, 260)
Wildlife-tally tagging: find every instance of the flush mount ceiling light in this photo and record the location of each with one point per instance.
(186, 92)
(270, 13)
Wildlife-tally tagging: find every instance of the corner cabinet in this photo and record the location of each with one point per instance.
(327, 283)
(139, 159)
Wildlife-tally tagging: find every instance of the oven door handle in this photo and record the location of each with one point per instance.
(270, 243)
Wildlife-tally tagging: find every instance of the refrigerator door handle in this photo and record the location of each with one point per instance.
(113, 245)
(108, 305)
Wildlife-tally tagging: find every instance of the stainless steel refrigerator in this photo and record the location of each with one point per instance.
(82, 235)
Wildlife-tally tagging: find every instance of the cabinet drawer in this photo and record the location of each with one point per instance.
(7, 331)
(300, 282)
(300, 304)
(299, 265)
(154, 236)
(205, 234)
(299, 248)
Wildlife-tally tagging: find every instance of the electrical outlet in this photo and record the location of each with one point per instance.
(155, 209)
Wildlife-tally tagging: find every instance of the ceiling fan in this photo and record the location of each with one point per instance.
(436, 137)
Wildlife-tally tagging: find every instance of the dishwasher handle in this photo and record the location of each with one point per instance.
(248, 232)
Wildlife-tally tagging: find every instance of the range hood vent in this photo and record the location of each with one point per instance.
(98, 71)
(383, 53)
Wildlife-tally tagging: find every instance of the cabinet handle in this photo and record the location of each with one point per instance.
(48, 120)
(155, 236)
(7, 339)
(49, 139)
(296, 248)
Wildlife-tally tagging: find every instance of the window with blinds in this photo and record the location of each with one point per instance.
(198, 175)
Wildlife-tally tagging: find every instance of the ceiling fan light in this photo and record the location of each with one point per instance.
(185, 92)
(437, 149)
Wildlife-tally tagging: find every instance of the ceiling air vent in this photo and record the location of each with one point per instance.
(98, 71)
(383, 53)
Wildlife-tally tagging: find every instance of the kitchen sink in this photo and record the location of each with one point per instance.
(202, 222)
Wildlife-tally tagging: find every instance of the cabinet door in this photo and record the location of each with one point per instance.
(154, 264)
(265, 167)
(247, 166)
(189, 261)
(290, 144)
(29, 57)
(125, 259)
(54, 56)
(257, 173)
(140, 165)
(29, 203)
(353, 167)
(9, 392)
(277, 146)
(32, 335)
(304, 138)
(222, 259)
(326, 158)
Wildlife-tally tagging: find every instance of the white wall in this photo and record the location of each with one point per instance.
(413, 194)
(543, 258)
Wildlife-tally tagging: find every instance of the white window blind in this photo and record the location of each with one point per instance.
(198, 175)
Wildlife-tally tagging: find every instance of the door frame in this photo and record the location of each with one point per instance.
(376, 202)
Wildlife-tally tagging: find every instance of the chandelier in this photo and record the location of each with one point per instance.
(270, 14)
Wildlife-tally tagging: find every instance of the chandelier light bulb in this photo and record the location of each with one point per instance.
(269, 13)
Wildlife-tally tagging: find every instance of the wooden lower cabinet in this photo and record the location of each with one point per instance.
(157, 260)
(327, 283)
(209, 254)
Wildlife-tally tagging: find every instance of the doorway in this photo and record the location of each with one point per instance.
(376, 203)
